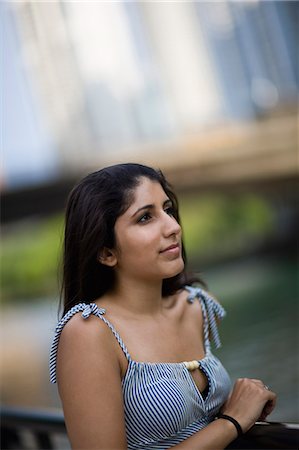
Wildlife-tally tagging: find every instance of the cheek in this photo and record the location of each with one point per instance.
(138, 245)
(142, 237)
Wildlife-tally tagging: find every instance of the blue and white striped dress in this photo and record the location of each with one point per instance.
(162, 403)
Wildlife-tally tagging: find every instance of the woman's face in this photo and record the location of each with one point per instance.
(148, 237)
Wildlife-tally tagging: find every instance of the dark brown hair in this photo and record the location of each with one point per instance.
(92, 208)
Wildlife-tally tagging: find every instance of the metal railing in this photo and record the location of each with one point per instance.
(31, 429)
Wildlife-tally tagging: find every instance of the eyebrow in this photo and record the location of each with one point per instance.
(151, 206)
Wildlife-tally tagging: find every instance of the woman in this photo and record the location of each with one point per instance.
(134, 364)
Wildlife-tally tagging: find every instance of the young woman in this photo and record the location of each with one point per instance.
(132, 353)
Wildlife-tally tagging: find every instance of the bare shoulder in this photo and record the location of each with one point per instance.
(86, 332)
(189, 310)
(89, 329)
(89, 384)
(189, 307)
(86, 341)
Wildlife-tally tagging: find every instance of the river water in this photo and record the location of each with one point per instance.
(259, 335)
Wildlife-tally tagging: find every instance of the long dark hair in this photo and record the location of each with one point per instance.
(92, 208)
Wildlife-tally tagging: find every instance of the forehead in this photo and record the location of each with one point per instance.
(147, 192)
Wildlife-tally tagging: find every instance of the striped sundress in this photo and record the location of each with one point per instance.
(162, 403)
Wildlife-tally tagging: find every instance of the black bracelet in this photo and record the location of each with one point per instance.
(232, 420)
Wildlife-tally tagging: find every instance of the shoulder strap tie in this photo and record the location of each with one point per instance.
(87, 310)
(212, 312)
(92, 308)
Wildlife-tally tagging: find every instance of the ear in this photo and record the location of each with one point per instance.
(107, 257)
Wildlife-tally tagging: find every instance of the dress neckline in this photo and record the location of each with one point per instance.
(164, 363)
(203, 395)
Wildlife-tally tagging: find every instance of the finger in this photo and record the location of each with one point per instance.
(258, 382)
(268, 408)
(261, 384)
(271, 405)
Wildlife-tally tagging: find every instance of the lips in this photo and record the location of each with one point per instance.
(171, 247)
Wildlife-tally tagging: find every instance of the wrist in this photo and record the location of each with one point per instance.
(226, 429)
(234, 424)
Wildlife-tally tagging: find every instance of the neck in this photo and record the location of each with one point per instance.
(138, 297)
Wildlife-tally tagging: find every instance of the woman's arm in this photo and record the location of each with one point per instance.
(89, 383)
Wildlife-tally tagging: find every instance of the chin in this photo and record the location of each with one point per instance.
(176, 270)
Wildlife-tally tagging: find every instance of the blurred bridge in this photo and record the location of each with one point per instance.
(255, 156)
(260, 156)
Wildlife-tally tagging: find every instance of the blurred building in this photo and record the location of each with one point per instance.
(95, 82)
(253, 47)
(28, 153)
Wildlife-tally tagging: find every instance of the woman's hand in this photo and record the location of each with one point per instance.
(249, 401)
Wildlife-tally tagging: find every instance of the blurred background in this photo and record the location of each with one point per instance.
(206, 91)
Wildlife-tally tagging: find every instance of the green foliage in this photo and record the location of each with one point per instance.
(30, 256)
(218, 226)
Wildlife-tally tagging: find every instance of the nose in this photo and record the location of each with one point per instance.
(170, 226)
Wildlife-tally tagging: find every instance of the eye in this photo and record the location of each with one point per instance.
(144, 218)
(170, 211)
